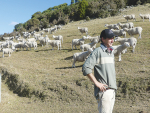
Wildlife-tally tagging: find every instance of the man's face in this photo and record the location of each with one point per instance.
(108, 42)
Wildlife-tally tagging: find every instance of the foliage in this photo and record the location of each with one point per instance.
(82, 9)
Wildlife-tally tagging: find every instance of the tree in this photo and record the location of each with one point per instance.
(72, 1)
(82, 9)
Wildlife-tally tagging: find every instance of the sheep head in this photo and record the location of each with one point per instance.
(117, 38)
(127, 44)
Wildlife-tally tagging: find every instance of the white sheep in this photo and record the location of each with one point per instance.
(119, 32)
(134, 31)
(83, 30)
(85, 47)
(118, 49)
(145, 16)
(54, 43)
(93, 38)
(30, 45)
(20, 45)
(126, 25)
(59, 26)
(31, 40)
(59, 37)
(26, 35)
(7, 51)
(53, 30)
(81, 56)
(8, 38)
(43, 40)
(112, 26)
(132, 41)
(76, 42)
(36, 35)
(129, 17)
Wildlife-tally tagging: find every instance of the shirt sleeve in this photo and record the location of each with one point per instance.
(89, 63)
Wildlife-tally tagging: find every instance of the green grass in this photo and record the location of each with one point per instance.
(47, 76)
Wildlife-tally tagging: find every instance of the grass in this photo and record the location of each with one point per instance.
(47, 76)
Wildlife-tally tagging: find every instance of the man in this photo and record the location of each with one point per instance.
(104, 78)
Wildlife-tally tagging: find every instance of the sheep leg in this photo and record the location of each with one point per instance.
(75, 46)
(73, 65)
(119, 57)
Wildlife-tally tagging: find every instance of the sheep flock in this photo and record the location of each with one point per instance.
(86, 44)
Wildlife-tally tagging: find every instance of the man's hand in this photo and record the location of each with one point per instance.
(101, 86)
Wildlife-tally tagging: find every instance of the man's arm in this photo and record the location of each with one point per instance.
(101, 86)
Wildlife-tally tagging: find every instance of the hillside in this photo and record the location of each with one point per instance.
(44, 80)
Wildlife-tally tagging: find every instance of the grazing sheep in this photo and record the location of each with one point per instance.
(20, 45)
(112, 26)
(76, 42)
(26, 35)
(53, 30)
(81, 56)
(129, 17)
(8, 38)
(126, 25)
(120, 48)
(132, 41)
(83, 30)
(59, 26)
(43, 40)
(134, 31)
(59, 37)
(31, 40)
(54, 43)
(85, 47)
(47, 30)
(120, 32)
(92, 38)
(36, 35)
(7, 51)
(30, 45)
(145, 16)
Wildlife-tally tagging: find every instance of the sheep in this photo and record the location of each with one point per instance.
(145, 16)
(83, 30)
(26, 35)
(120, 32)
(8, 38)
(119, 48)
(53, 30)
(126, 25)
(129, 17)
(59, 37)
(20, 45)
(112, 26)
(76, 42)
(132, 41)
(89, 45)
(31, 40)
(36, 35)
(59, 26)
(134, 31)
(7, 51)
(47, 30)
(30, 45)
(43, 40)
(54, 43)
(92, 38)
(81, 56)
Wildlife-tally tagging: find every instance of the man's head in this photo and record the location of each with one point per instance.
(107, 37)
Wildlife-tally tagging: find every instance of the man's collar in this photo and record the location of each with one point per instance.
(105, 48)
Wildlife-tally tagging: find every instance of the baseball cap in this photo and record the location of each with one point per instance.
(107, 33)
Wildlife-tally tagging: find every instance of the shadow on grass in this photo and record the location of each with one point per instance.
(69, 67)
(68, 58)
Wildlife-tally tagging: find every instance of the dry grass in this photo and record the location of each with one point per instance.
(63, 88)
